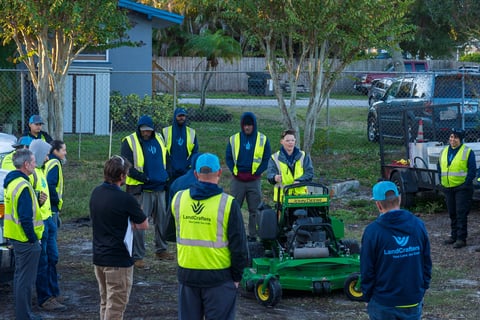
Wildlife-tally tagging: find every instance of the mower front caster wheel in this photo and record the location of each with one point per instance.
(351, 287)
(268, 295)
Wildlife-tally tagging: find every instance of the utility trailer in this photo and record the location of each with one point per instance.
(412, 163)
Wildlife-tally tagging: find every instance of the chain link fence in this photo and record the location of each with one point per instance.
(97, 105)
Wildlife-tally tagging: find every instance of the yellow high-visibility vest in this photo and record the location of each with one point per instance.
(455, 174)
(287, 176)
(257, 152)
(138, 159)
(190, 143)
(12, 226)
(201, 228)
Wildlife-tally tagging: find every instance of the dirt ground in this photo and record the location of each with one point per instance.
(454, 293)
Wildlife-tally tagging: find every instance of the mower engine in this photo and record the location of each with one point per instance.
(307, 239)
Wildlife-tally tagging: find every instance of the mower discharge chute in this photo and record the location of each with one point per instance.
(301, 248)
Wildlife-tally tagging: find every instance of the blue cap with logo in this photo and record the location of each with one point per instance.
(35, 119)
(207, 163)
(380, 190)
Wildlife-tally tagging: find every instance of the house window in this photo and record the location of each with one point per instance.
(93, 56)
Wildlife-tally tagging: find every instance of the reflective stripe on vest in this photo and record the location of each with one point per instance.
(257, 152)
(201, 235)
(287, 176)
(39, 184)
(12, 225)
(455, 174)
(167, 135)
(138, 159)
(52, 163)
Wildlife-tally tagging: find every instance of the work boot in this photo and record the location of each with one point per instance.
(477, 250)
(449, 241)
(459, 244)
(164, 255)
(53, 305)
(62, 299)
(140, 264)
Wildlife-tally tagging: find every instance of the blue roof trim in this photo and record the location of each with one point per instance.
(151, 12)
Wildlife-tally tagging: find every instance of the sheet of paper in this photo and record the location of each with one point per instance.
(128, 239)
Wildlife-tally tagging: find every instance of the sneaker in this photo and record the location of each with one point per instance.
(139, 264)
(449, 241)
(164, 255)
(53, 305)
(62, 299)
(459, 244)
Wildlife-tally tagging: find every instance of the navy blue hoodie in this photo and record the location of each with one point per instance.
(247, 147)
(154, 177)
(395, 261)
(179, 161)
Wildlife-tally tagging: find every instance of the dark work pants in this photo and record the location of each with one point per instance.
(215, 303)
(459, 202)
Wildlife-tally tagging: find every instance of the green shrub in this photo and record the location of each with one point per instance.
(125, 110)
(471, 57)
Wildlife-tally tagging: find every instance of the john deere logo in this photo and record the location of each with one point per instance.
(197, 207)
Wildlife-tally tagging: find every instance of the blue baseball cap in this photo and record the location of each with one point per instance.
(181, 111)
(23, 141)
(35, 119)
(380, 190)
(207, 163)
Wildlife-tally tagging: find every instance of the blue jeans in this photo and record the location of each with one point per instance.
(377, 311)
(47, 278)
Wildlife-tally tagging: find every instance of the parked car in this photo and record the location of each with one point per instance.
(378, 89)
(469, 68)
(6, 141)
(426, 92)
(363, 82)
(6, 251)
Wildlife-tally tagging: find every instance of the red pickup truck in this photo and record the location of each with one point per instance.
(363, 81)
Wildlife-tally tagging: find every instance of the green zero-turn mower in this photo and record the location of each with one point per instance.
(301, 248)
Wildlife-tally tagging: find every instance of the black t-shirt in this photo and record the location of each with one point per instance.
(110, 209)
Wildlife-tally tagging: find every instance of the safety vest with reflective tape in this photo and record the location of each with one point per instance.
(201, 228)
(454, 174)
(167, 135)
(52, 163)
(7, 162)
(257, 152)
(39, 184)
(12, 226)
(287, 176)
(138, 159)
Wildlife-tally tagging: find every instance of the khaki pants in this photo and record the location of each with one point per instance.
(115, 285)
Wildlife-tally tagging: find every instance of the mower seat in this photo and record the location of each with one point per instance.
(267, 224)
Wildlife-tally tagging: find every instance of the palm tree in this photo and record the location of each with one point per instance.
(212, 47)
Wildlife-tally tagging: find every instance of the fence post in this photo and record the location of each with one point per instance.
(174, 89)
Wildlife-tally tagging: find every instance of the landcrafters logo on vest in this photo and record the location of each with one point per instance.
(402, 251)
(197, 209)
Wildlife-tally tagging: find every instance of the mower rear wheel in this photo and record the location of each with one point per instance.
(350, 287)
(268, 296)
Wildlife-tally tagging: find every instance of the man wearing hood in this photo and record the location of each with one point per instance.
(47, 279)
(181, 142)
(247, 155)
(395, 262)
(146, 180)
(211, 245)
(23, 225)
